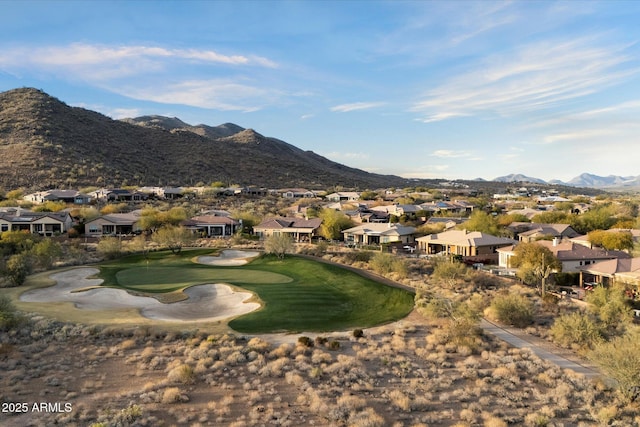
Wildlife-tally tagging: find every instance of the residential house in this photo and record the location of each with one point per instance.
(447, 222)
(298, 228)
(457, 207)
(66, 196)
(464, 243)
(530, 231)
(119, 194)
(572, 256)
(212, 225)
(379, 233)
(609, 272)
(295, 193)
(43, 223)
(397, 210)
(342, 196)
(116, 224)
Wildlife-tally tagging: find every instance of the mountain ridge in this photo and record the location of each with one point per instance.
(45, 143)
(586, 180)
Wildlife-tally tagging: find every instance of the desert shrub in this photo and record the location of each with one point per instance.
(450, 273)
(305, 341)
(320, 340)
(9, 317)
(172, 395)
(333, 345)
(576, 329)
(383, 263)
(109, 247)
(17, 268)
(610, 305)
(358, 333)
(620, 359)
(182, 374)
(513, 309)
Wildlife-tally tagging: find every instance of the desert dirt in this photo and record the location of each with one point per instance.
(153, 372)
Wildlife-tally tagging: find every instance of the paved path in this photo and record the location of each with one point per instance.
(542, 348)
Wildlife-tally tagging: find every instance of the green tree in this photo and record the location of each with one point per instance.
(109, 247)
(610, 305)
(173, 238)
(620, 359)
(46, 252)
(577, 329)
(17, 268)
(9, 317)
(535, 263)
(513, 309)
(333, 222)
(553, 217)
(599, 218)
(368, 195)
(506, 219)
(450, 272)
(278, 245)
(482, 222)
(611, 240)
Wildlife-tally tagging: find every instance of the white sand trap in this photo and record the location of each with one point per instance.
(228, 258)
(205, 303)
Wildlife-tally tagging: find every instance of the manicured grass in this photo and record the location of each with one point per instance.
(298, 294)
(320, 298)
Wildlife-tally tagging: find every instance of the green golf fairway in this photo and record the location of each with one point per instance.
(297, 294)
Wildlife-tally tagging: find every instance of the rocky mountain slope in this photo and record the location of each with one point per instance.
(46, 143)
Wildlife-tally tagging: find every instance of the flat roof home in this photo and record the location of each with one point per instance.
(43, 223)
(462, 242)
(379, 233)
(212, 225)
(116, 224)
(298, 228)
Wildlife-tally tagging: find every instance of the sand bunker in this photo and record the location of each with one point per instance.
(205, 302)
(228, 258)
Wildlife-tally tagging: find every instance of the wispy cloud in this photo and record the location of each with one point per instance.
(219, 94)
(344, 108)
(582, 135)
(529, 78)
(83, 55)
(452, 153)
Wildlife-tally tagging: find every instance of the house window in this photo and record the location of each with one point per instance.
(4, 227)
(93, 229)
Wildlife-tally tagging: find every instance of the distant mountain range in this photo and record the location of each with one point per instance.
(611, 182)
(44, 143)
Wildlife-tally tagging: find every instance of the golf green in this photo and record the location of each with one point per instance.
(297, 294)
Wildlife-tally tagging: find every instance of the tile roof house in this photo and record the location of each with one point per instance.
(212, 225)
(66, 196)
(573, 256)
(349, 196)
(531, 231)
(43, 223)
(626, 270)
(463, 242)
(300, 229)
(113, 224)
(379, 233)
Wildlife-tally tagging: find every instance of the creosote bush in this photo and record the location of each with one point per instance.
(512, 309)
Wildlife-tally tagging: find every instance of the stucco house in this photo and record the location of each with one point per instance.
(66, 196)
(342, 196)
(43, 223)
(212, 225)
(299, 229)
(530, 231)
(379, 233)
(464, 243)
(113, 225)
(572, 256)
(612, 271)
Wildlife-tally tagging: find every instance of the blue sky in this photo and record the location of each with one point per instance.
(425, 89)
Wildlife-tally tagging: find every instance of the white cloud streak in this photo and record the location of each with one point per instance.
(345, 108)
(534, 77)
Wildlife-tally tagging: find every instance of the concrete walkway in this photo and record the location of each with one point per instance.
(565, 359)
